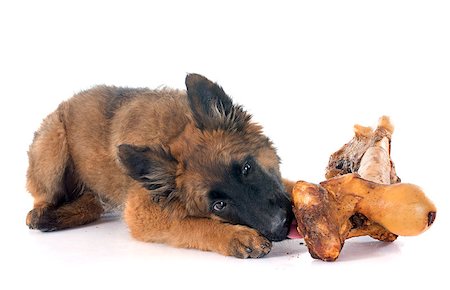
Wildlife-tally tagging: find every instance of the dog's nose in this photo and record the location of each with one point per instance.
(276, 223)
(278, 229)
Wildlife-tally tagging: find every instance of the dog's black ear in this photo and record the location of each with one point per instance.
(212, 108)
(154, 167)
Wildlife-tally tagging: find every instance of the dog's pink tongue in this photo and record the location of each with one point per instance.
(293, 233)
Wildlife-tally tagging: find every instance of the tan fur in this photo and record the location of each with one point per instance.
(78, 144)
(47, 159)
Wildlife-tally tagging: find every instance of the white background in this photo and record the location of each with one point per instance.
(307, 71)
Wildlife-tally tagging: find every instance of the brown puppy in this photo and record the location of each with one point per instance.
(188, 169)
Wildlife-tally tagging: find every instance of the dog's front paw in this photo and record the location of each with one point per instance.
(248, 243)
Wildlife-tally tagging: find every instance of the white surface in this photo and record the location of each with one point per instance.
(307, 72)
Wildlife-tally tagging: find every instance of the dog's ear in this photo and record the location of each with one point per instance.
(154, 167)
(211, 107)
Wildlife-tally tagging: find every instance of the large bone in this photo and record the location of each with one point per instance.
(362, 196)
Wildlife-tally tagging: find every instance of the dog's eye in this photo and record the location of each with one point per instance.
(246, 169)
(219, 205)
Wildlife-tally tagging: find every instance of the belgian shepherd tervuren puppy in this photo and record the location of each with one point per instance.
(188, 168)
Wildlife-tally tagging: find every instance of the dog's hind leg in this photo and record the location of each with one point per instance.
(84, 209)
(60, 199)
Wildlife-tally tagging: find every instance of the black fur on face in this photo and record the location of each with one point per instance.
(249, 195)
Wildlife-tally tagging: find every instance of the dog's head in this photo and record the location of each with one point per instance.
(221, 166)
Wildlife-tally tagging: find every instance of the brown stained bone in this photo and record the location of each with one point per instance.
(326, 218)
(330, 212)
(363, 196)
(339, 208)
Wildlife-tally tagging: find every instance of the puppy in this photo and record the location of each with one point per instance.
(188, 168)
